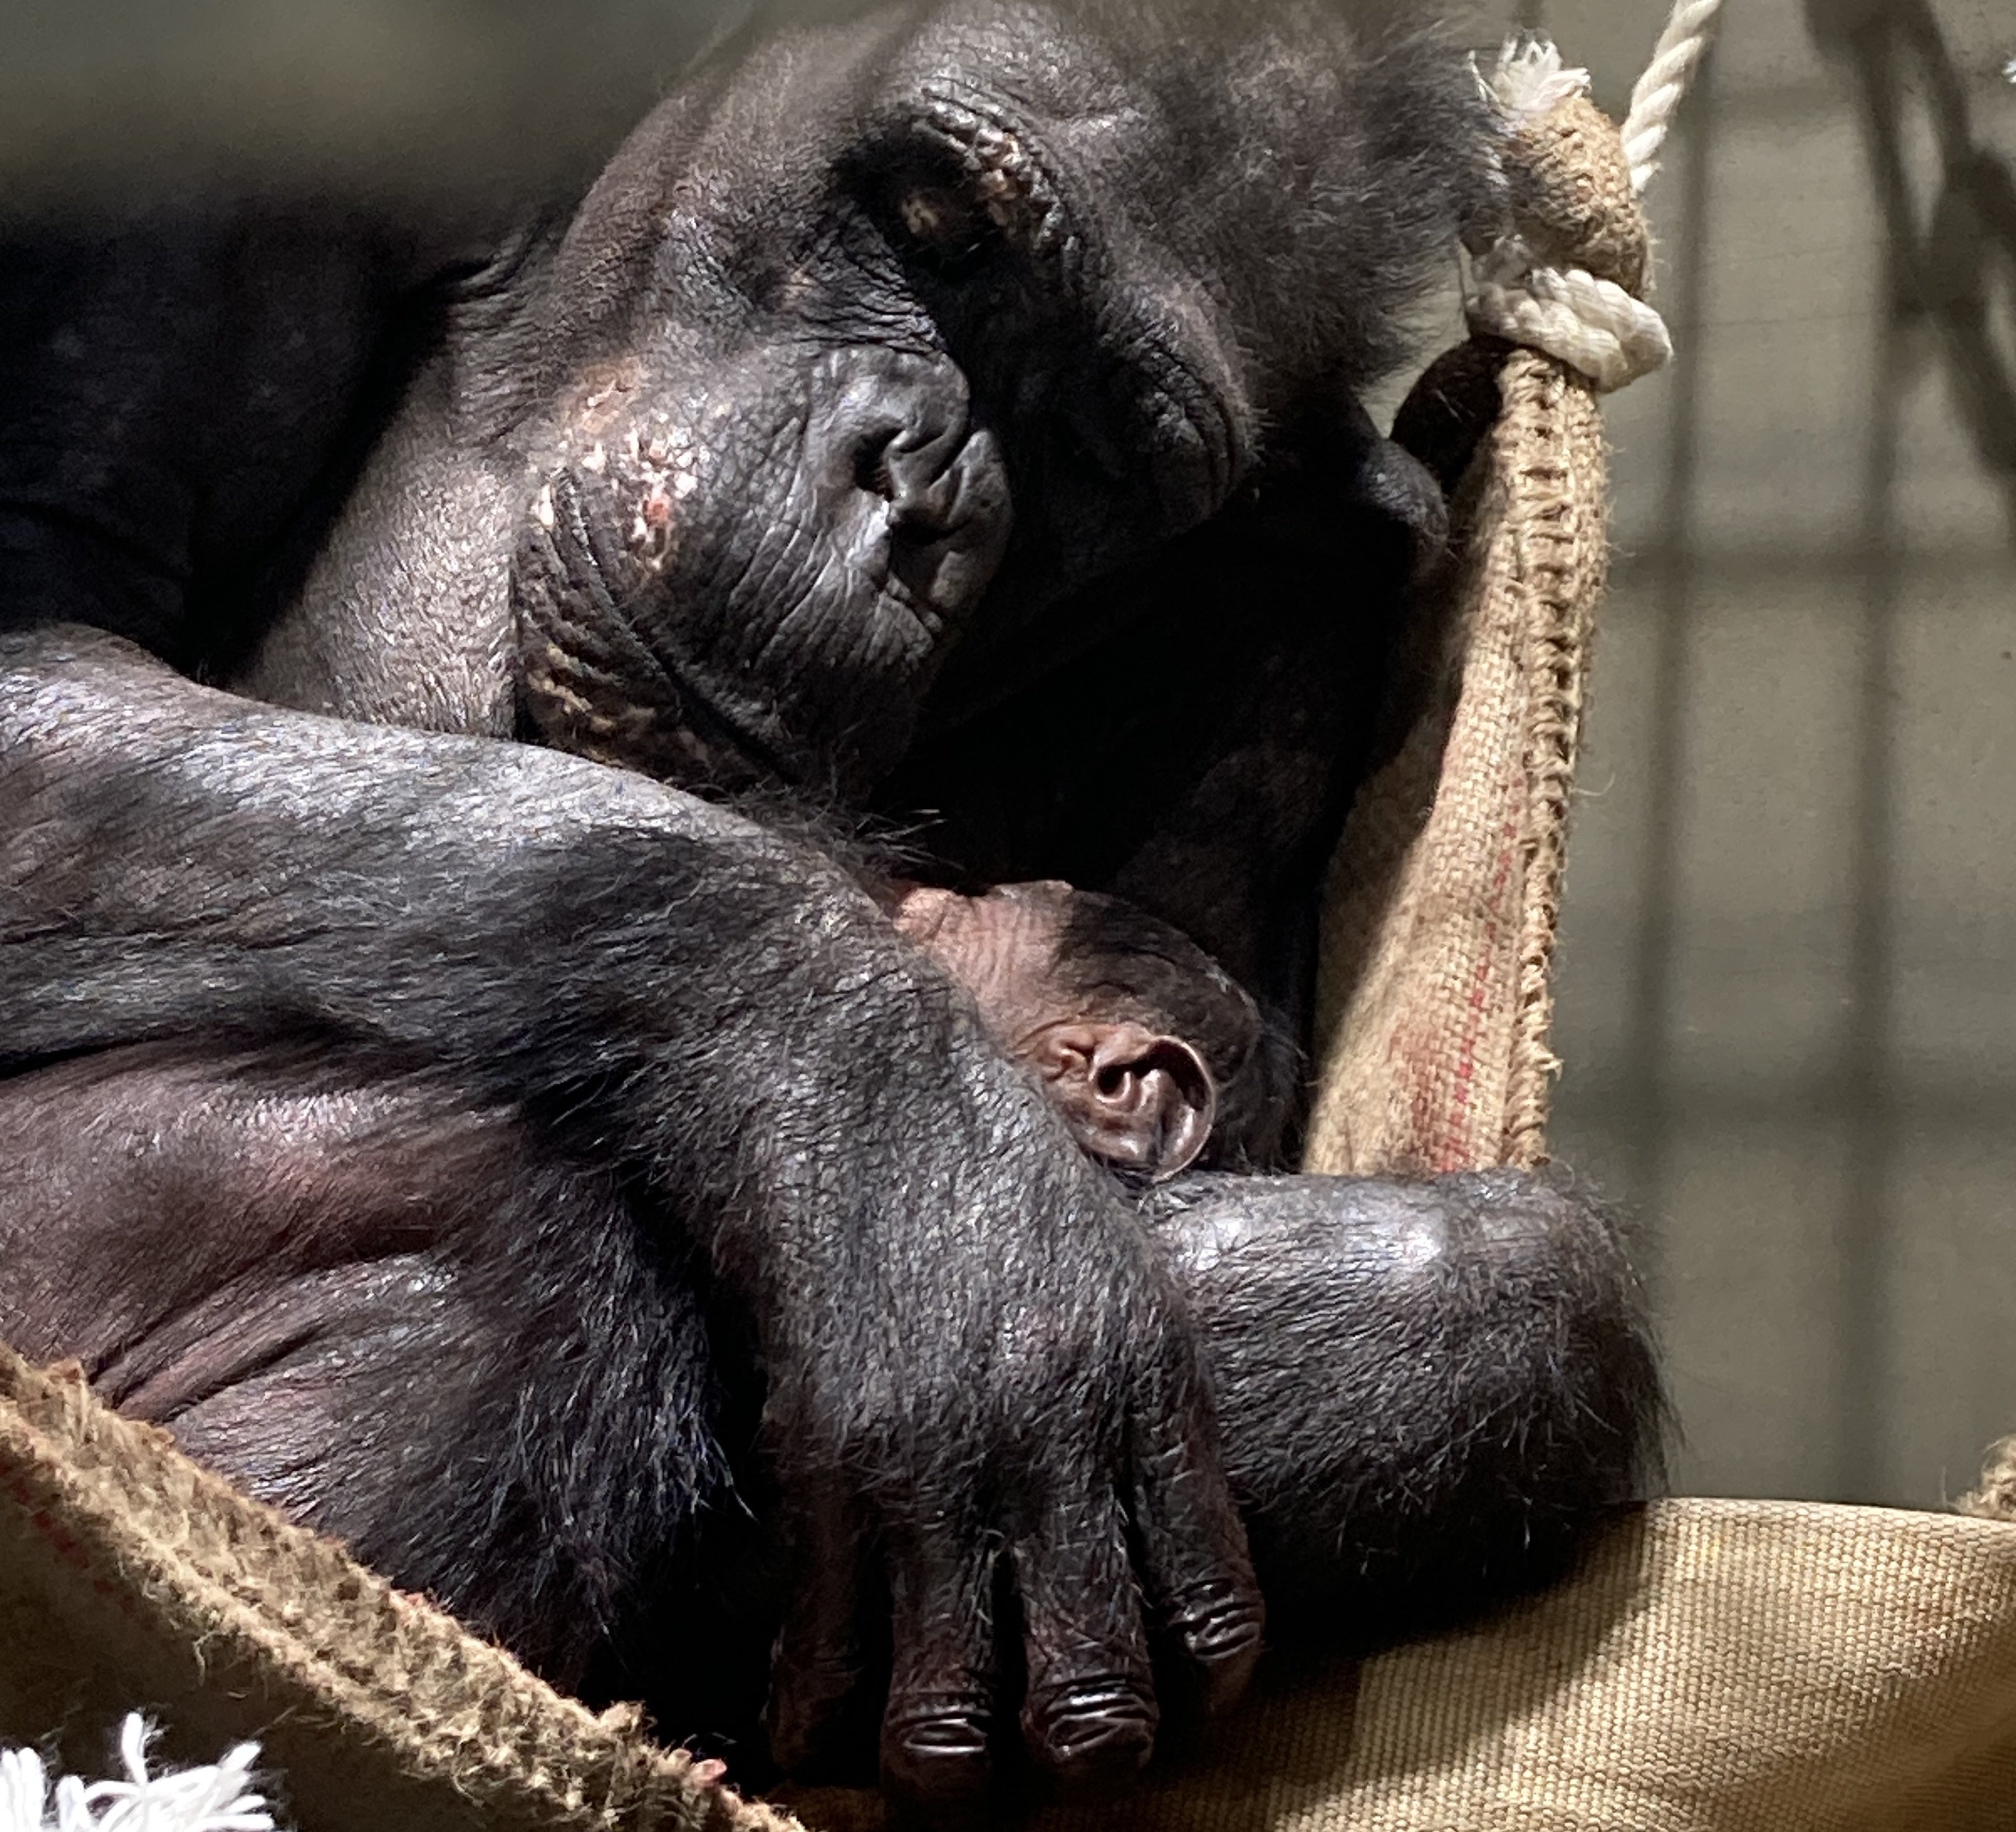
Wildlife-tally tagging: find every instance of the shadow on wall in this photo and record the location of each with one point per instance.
(1789, 968)
(1951, 245)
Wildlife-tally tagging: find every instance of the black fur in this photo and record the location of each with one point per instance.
(461, 1352)
(1491, 1319)
(936, 413)
(382, 1305)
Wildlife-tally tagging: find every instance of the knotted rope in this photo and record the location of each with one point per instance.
(1566, 278)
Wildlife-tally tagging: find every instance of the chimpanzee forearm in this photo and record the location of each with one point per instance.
(702, 1002)
(535, 922)
(1430, 1391)
(459, 1351)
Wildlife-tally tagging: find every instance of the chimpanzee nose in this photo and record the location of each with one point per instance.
(908, 468)
(912, 491)
(898, 427)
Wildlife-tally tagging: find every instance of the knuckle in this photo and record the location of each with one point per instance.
(1221, 1625)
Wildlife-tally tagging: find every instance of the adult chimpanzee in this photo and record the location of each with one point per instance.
(946, 408)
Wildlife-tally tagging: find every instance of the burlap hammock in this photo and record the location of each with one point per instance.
(1715, 1665)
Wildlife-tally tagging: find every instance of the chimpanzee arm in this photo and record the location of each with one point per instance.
(1428, 1390)
(969, 1346)
(456, 1350)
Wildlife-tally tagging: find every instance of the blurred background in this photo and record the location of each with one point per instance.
(1787, 978)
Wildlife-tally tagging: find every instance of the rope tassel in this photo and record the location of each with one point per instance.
(216, 1799)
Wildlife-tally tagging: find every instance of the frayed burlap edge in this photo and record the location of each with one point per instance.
(1995, 1500)
(202, 1601)
(1445, 897)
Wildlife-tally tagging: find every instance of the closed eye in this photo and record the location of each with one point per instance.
(941, 225)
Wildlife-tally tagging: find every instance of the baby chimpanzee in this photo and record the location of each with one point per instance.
(1156, 1058)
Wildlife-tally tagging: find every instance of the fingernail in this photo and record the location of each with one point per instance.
(939, 1758)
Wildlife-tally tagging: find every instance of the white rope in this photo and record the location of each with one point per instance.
(217, 1799)
(1660, 89)
(1591, 325)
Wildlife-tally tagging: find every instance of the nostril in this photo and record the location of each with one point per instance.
(872, 471)
(908, 468)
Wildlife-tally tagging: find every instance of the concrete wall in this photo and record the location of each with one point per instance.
(1788, 969)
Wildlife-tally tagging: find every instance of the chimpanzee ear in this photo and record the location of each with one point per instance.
(1136, 1100)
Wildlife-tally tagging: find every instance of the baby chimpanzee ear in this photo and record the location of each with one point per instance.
(1141, 1102)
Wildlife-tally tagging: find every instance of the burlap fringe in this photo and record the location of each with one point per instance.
(1995, 1500)
(122, 1560)
(1445, 894)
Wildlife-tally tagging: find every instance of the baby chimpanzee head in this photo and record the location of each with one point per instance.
(1154, 1057)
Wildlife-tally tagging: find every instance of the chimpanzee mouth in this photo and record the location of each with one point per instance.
(732, 752)
(601, 674)
(596, 680)
(693, 741)
(720, 750)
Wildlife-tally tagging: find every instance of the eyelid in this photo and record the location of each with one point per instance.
(938, 218)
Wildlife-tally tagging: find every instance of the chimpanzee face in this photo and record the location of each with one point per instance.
(894, 333)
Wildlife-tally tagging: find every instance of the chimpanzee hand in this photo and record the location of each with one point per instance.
(980, 1381)
(974, 1355)
(994, 1380)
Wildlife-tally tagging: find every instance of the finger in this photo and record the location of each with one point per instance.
(938, 1725)
(816, 1703)
(1196, 1570)
(1089, 1715)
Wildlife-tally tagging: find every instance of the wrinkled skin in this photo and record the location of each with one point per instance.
(948, 409)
